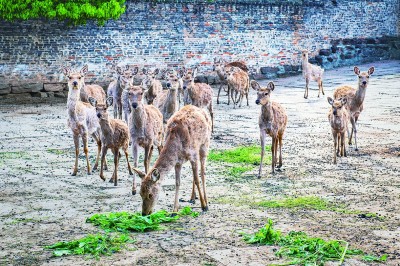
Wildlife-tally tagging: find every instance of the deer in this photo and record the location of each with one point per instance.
(338, 118)
(145, 127)
(114, 136)
(272, 121)
(311, 72)
(92, 90)
(238, 83)
(82, 119)
(355, 99)
(116, 87)
(187, 139)
(152, 84)
(197, 94)
(220, 67)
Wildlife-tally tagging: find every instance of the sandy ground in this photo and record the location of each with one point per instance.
(41, 203)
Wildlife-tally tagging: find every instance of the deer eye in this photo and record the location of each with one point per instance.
(150, 196)
(266, 93)
(175, 79)
(141, 93)
(367, 77)
(130, 93)
(79, 78)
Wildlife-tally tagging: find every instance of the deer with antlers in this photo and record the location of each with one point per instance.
(311, 72)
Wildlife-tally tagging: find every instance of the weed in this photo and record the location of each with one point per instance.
(243, 154)
(237, 171)
(58, 151)
(304, 250)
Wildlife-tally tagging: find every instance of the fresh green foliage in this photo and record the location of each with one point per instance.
(92, 245)
(74, 11)
(382, 258)
(304, 250)
(237, 171)
(125, 221)
(243, 154)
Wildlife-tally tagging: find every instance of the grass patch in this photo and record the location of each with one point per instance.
(58, 151)
(125, 221)
(302, 249)
(92, 245)
(243, 154)
(235, 172)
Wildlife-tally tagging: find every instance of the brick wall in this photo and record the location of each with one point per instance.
(268, 37)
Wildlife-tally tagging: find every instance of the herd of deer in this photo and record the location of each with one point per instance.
(152, 118)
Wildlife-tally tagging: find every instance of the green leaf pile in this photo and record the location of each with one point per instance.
(304, 250)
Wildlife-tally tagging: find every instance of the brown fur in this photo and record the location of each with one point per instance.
(311, 72)
(239, 83)
(272, 121)
(188, 139)
(167, 101)
(338, 118)
(152, 84)
(355, 99)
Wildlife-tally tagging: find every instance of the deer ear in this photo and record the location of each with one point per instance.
(144, 70)
(126, 67)
(181, 73)
(92, 101)
(254, 84)
(155, 175)
(140, 173)
(344, 101)
(271, 86)
(156, 71)
(357, 70)
(330, 100)
(371, 70)
(119, 70)
(109, 101)
(84, 70)
(135, 70)
(66, 71)
(195, 72)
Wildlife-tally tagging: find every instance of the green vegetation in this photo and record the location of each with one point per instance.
(237, 171)
(304, 250)
(242, 154)
(74, 11)
(125, 221)
(58, 151)
(92, 245)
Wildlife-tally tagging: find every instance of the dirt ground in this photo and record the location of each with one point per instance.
(41, 203)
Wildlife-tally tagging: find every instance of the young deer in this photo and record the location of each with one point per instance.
(272, 121)
(220, 67)
(145, 126)
(93, 90)
(338, 118)
(81, 117)
(238, 83)
(188, 137)
(152, 84)
(167, 101)
(116, 87)
(355, 99)
(311, 72)
(197, 94)
(114, 136)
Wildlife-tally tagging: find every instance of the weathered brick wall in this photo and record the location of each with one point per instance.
(268, 37)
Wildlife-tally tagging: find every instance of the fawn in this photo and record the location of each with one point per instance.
(272, 121)
(238, 83)
(152, 84)
(167, 100)
(338, 118)
(311, 72)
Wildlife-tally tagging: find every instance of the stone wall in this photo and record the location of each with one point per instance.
(269, 37)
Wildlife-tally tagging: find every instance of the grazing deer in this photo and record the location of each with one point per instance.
(152, 85)
(238, 83)
(272, 121)
(167, 101)
(311, 72)
(197, 94)
(116, 87)
(338, 118)
(114, 136)
(145, 126)
(81, 117)
(188, 138)
(220, 67)
(355, 99)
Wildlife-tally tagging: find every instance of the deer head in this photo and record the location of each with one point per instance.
(126, 74)
(263, 94)
(101, 109)
(363, 77)
(135, 95)
(149, 189)
(188, 77)
(76, 80)
(337, 106)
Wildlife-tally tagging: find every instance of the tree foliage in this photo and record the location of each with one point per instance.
(75, 12)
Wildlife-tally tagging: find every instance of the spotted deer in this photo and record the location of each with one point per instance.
(355, 99)
(116, 87)
(338, 118)
(220, 67)
(311, 72)
(167, 100)
(114, 136)
(272, 121)
(81, 117)
(145, 126)
(188, 138)
(197, 94)
(152, 85)
(92, 90)
(239, 84)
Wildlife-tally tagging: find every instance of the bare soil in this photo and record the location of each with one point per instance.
(41, 203)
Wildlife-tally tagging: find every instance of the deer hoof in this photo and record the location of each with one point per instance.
(356, 149)
(111, 180)
(204, 209)
(74, 174)
(94, 167)
(259, 176)
(192, 201)
(103, 178)
(89, 172)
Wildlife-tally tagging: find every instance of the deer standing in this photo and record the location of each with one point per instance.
(152, 85)
(114, 136)
(188, 138)
(338, 118)
(81, 117)
(145, 126)
(167, 101)
(311, 72)
(272, 121)
(238, 83)
(197, 94)
(355, 99)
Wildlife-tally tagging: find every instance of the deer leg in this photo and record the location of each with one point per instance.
(280, 151)
(353, 126)
(203, 157)
(306, 91)
(98, 141)
(273, 155)
(146, 158)
(210, 109)
(276, 150)
(338, 145)
(241, 96)
(219, 91)
(86, 151)
(247, 98)
(343, 144)
(322, 88)
(334, 146)
(233, 100)
(262, 140)
(76, 144)
(119, 108)
(229, 99)
(178, 168)
(103, 160)
(115, 174)
(194, 163)
(135, 164)
(127, 160)
(319, 86)
(193, 196)
(150, 154)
